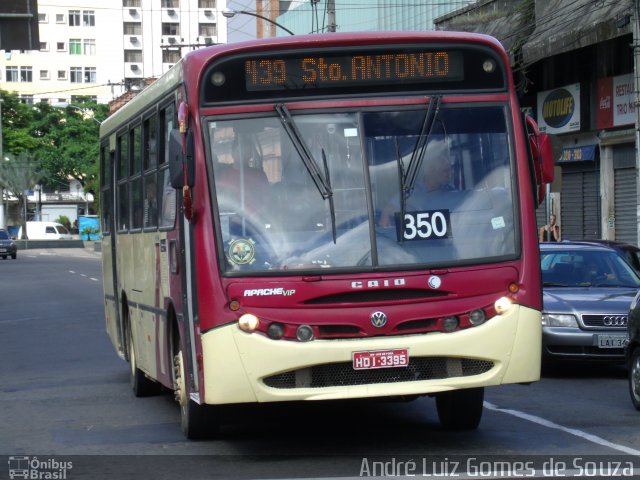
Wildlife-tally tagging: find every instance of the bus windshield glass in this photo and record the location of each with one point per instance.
(364, 189)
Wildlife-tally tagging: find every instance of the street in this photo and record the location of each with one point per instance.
(65, 396)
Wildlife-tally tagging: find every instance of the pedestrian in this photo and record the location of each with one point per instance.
(551, 231)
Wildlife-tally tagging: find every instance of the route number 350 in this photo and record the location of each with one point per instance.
(428, 225)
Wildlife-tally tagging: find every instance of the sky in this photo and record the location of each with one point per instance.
(241, 27)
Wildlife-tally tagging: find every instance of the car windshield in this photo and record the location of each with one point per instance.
(312, 191)
(3, 235)
(586, 268)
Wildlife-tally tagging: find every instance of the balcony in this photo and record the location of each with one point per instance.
(131, 15)
(171, 40)
(133, 42)
(133, 69)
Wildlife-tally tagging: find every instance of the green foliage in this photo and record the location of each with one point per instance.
(64, 220)
(63, 141)
(18, 174)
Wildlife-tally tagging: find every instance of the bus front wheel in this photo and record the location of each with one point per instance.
(197, 421)
(460, 409)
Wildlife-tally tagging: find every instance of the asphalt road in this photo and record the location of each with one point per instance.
(65, 397)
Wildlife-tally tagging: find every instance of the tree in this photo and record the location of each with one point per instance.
(64, 141)
(18, 174)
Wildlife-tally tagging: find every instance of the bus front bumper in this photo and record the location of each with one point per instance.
(239, 367)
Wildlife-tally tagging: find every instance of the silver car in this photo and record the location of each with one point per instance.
(587, 291)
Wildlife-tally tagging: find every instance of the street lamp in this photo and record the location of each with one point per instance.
(233, 13)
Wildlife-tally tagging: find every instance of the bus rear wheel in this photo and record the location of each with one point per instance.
(460, 409)
(141, 385)
(197, 421)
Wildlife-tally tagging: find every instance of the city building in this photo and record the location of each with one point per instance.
(99, 50)
(574, 65)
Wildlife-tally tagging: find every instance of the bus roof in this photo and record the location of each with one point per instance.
(198, 59)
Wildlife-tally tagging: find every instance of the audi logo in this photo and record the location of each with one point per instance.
(378, 319)
(615, 320)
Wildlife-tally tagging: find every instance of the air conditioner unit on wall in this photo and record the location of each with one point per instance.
(133, 39)
(172, 40)
(171, 12)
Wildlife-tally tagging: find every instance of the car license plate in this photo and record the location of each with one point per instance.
(380, 359)
(612, 341)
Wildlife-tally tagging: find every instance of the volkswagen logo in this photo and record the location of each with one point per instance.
(615, 320)
(378, 319)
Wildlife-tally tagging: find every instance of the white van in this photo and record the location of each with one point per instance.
(46, 231)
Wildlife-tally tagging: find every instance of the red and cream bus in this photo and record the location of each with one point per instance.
(325, 217)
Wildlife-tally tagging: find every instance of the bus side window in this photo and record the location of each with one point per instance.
(167, 200)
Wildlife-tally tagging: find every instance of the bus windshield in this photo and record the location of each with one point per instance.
(364, 189)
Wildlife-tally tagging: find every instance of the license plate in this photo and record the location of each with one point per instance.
(612, 341)
(380, 359)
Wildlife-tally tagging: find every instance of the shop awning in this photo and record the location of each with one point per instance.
(563, 26)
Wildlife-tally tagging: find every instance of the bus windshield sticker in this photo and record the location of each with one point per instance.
(425, 225)
(242, 251)
(498, 222)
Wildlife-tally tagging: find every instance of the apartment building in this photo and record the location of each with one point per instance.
(97, 49)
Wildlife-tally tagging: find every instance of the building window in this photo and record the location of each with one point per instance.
(60, 47)
(132, 28)
(88, 18)
(206, 3)
(170, 29)
(84, 99)
(89, 46)
(90, 75)
(26, 99)
(62, 74)
(42, 18)
(207, 29)
(74, 18)
(11, 74)
(59, 17)
(132, 56)
(170, 56)
(26, 74)
(75, 75)
(44, 47)
(44, 74)
(170, 4)
(131, 3)
(75, 46)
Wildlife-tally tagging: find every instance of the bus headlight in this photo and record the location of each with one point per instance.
(248, 322)
(477, 317)
(450, 323)
(304, 333)
(275, 331)
(503, 305)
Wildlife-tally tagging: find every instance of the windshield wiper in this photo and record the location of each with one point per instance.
(410, 176)
(322, 183)
(403, 198)
(331, 206)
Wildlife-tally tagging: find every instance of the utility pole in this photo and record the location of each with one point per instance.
(636, 81)
(331, 15)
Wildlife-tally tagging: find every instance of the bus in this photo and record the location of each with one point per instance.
(324, 217)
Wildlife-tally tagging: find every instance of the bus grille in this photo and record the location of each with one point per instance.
(343, 374)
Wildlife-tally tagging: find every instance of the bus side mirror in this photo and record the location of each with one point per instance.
(541, 147)
(181, 161)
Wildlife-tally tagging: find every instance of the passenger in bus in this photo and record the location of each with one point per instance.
(150, 213)
(243, 185)
(435, 177)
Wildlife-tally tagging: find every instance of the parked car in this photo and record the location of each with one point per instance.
(630, 252)
(587, 291)
(7, 246)
(633, 351)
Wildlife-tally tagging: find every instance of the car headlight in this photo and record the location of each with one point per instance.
(558, 320)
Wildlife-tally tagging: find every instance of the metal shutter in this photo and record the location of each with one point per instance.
(625, 193)
(580, 216)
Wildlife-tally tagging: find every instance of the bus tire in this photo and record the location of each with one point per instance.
(198, 422)
(460, 409)
(141, 385)
(634, 378)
